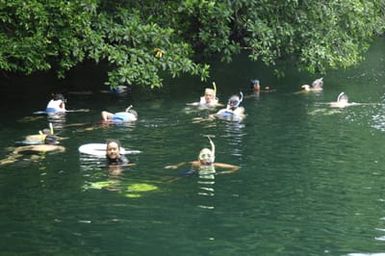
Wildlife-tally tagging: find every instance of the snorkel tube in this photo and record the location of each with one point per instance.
(128, 108)
(212, 149)
(342, 96)
(51, 128)
(241, 98)
(215, 89)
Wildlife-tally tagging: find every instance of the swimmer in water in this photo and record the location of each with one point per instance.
(316, 86)
(205, 164)
(115, 160)
(209, 99)
(342, 101)
(129, 115)
(233, 110)
(39, 138)
(50, 145)
(113, 155)
(56, 104)
(256, 87)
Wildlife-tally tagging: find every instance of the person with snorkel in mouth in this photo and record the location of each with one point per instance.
(205, 164)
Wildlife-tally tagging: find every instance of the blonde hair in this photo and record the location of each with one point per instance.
(210, 91)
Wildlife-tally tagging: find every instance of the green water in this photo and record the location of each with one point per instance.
(311, 180)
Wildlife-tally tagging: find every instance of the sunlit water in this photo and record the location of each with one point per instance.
(311, 180)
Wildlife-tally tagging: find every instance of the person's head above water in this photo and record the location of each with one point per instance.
(207, 156)
(209, 95)
(113, 150)
(50, 140)
(342, 98)
(58, 96)
(234, 101)
(255, 85)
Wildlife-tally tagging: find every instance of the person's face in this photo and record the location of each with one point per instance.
(205, 157)
(256, 87)
(113, 151)
(209, 96)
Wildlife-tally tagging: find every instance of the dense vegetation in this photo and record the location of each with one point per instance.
(145, 40)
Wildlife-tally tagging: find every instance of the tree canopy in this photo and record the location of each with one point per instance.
(143, 41)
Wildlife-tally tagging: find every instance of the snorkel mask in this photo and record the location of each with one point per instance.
(207, 156)
(235, 101)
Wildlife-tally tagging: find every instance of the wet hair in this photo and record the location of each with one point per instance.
(254, 81)
(50, 140)
(108, 142)
(58, 96)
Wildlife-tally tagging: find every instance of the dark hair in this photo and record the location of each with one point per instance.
(113, 141)
(58, 96)
(254, 81)
(50, 140)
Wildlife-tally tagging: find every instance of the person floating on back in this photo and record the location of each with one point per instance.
(38, 138)
(50, 145)
(129, 115)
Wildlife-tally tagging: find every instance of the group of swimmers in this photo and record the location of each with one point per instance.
(342, 100)
(46, 141)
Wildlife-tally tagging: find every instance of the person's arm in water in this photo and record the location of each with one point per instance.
(106, 115)
(229, 167)
(176, 166)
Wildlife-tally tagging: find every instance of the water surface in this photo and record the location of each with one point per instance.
(311, 180)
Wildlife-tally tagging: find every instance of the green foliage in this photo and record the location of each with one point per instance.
(142, 41)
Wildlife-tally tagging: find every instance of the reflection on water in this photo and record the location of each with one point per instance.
(57, 120)
(379, 116)
(233, 132)
(206, 189)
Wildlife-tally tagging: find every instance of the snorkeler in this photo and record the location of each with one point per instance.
(342, 101)
(316, 86)
(256, 87)
(56, 104)
(233, 110)
(205, 165)
(129, 115)
(209, 99)
(50, 145)
(37, 138)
